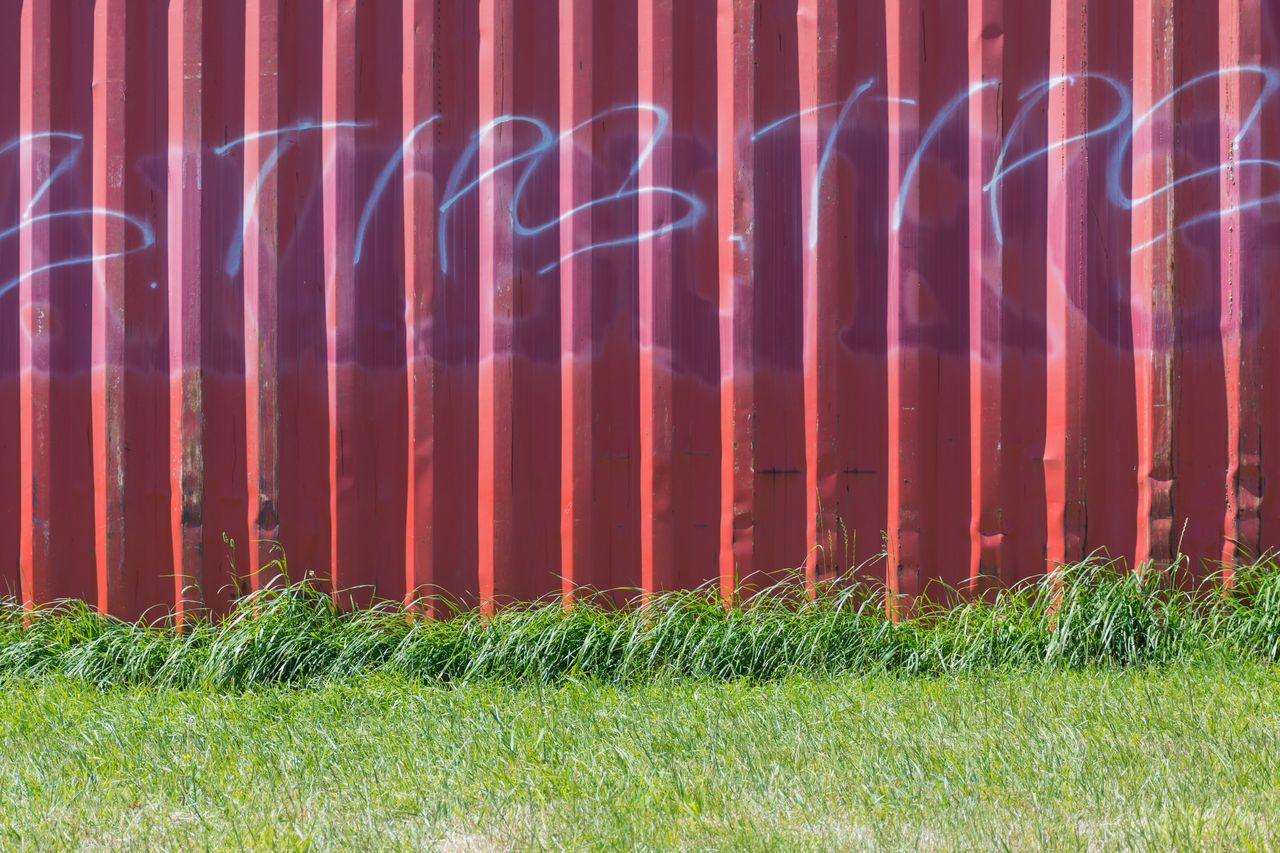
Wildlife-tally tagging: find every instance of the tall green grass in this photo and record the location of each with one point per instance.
(1087, 615)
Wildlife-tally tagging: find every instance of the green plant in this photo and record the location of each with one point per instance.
(1085, 615)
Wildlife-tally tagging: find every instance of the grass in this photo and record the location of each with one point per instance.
(1092, 709)
(1146, 758)
(1087, 615)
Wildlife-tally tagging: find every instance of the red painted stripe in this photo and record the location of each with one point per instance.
(1242, 303)
(599, 441)
(697, 447)
(56, 533)
(130, 393)
(579, 560)
(1152, 276)
(1200, 433)
(207, 486)
(658, 555)
(776, 360)
(818, 82)
(854, 214)
(453, 327)
(929, 489)
(496, 282)
(618, 148)
(1065, 286)
(436, 531)
(736, 81)
(986, 350)
(534, 329)
(259, 231)
(1264, 308)
(364, 302)
(1021, 293)
(11, 456)
(284, 338)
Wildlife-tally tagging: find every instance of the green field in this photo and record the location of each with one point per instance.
(1169, 758)
(1097, 709)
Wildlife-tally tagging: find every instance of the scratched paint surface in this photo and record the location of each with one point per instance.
(505, 298)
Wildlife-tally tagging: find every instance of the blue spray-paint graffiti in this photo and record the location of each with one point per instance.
(827, 148)
(235, 252)
(1028, 100)
(691, 217)
(534, 154)
(384, 179)
(63, 167)
(1115, 188)
(519, 165)
(454, 193)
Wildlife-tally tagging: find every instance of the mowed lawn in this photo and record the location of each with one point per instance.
(1180, 757)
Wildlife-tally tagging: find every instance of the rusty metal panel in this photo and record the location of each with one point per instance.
(491, 300)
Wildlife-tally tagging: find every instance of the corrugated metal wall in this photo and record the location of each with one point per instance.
(503, 297)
